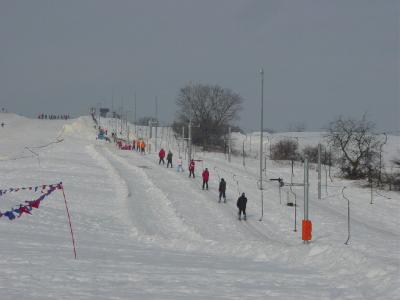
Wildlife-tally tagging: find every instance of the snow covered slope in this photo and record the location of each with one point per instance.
(147, 232)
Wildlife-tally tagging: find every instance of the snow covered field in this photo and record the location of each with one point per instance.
(143, 231)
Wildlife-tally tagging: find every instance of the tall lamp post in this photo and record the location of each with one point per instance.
(134, 116)
(190, 124)
(98, 111)
(128, 112)
(261, 141)
(156, 123)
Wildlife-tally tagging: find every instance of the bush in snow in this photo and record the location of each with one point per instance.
(311, 153)
(393, 179)
(285, 150)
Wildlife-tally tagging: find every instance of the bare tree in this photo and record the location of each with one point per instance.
(211, 109)
(358, 145)
(285, 150)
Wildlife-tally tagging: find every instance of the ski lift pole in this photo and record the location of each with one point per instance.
(380, 159)
(244, 161)
(179, 148)
(229, 143)
(326, 180)
(306, 224)
(348, 217)
(371, 185)
(292, 172)
(295, 206)
(237, 183)
(295, 199)
(216, 171)
(259, 184)
(261, 141)
(281, 184)
(330, 164)
(319, 171)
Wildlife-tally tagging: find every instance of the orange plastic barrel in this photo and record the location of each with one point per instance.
(306, 230)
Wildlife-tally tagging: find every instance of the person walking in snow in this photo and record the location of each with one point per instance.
(180, 163)
(138, 146)
(161, 155)
(191, 168)
(205, 176)
(142, 146)
(169, 158)
(222, 189)
(241, 204)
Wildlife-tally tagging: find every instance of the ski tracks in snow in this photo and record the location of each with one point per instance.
(148, 208)
(120, 184)
(172, 202)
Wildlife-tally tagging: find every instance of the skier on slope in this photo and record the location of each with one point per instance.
(241, 204)
(205, 176)
(191, 168)
(138, 146)
(222, 189)
(161, 155)
(142, 146)
(180, 163)
(169, 158)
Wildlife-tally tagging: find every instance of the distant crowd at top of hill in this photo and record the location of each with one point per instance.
(53, 117)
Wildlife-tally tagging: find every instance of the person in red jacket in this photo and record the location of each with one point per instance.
(191, 168)
(161, 155)
(205, 176)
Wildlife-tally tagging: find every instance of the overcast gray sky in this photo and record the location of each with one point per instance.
(321, 58)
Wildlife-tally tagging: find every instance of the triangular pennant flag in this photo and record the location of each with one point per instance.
(10, 215)
(23, 209)
(34, 204)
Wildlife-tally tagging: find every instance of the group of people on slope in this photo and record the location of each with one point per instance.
(43, 116)
(242, 200)
(161, 155)
(139, 146)
(205, 175)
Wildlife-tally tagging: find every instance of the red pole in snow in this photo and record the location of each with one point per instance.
(69, 218)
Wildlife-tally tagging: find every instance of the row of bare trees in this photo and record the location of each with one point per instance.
(288, 149)
(354, 147)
